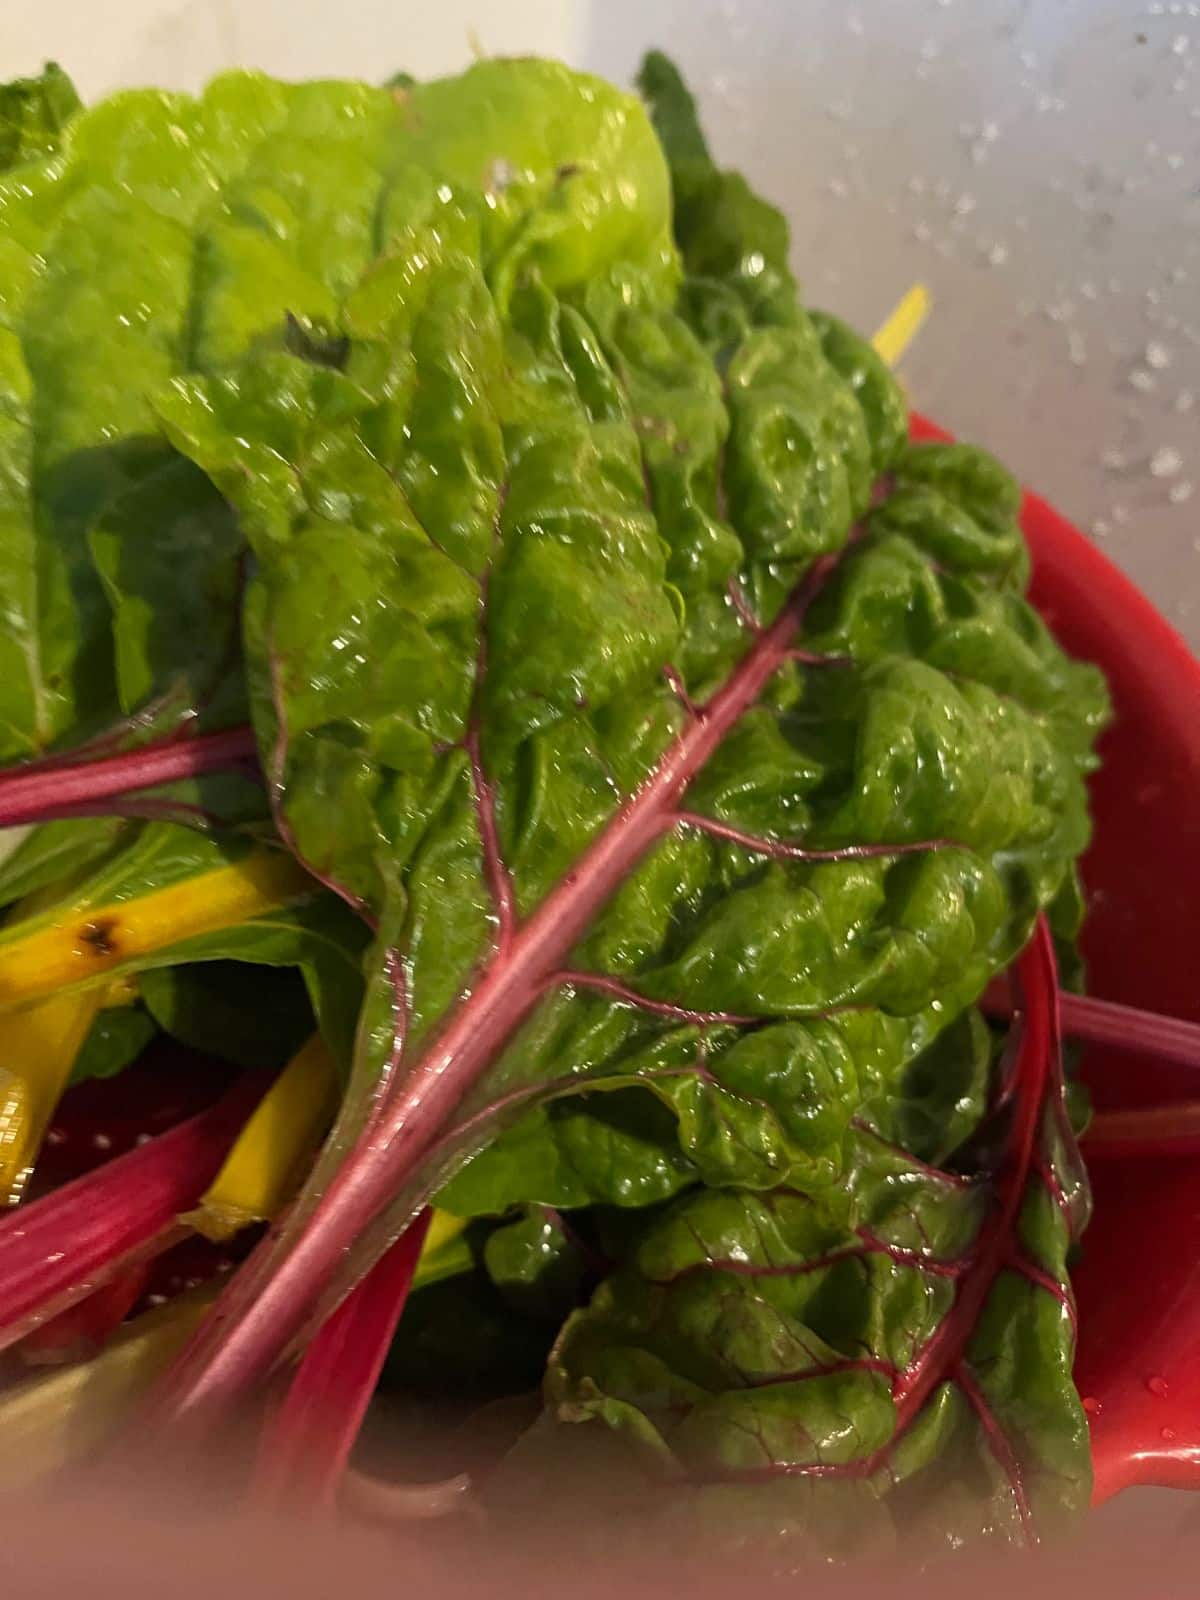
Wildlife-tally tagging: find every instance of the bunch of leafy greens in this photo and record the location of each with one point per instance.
(679, 730)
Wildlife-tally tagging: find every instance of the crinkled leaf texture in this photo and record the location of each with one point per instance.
(157, 234)
(683, 732)
(917, 1353)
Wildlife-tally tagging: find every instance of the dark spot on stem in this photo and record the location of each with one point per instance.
(99, 937)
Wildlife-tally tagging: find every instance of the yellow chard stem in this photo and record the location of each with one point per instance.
(79, 946)
(899, 330)
(272, 1153)
(38, 1047)
(265, 1166)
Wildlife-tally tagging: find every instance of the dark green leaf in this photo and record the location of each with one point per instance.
(537, 1264)
(33, 114)
(750, 1340)
(254, 1017)
(169, 553)
(117, 1038)
(460, 1340)
(724, 230)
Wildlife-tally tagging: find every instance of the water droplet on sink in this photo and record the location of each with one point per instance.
(1165, 462)
(1158, 355)
(1157, 1385)
(1167, 1434)
(1181, 492)
(1141, 380)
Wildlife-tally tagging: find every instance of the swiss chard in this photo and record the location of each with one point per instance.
(33, 114)
(669, 770)
(752, 1339)
(678, 730)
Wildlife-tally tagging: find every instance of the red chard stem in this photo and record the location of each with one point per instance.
(55, 788)
(61, 1249)
(307, 1445)
(1172, 1130)
(1106, 1022)
(220, 1367)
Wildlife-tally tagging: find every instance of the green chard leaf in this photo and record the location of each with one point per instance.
(113, 279)
(115, 1041)
(681, 732)
(483, 1328)
(33, 114)
(727, 234)
(54, 853)
(921, 1348)
(169, 554)
(252, 1016)
(688, 821)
